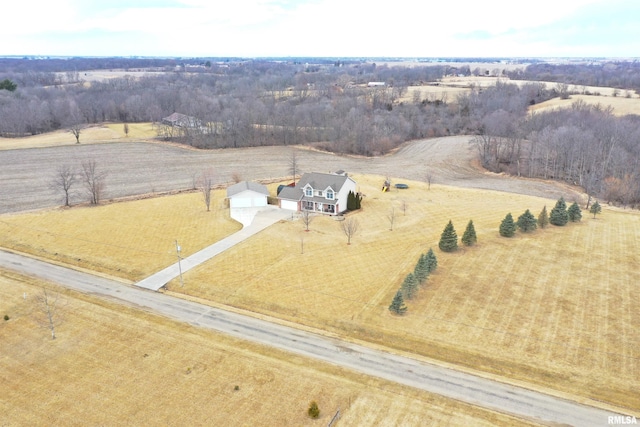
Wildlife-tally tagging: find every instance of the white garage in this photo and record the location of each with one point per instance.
(247, 195)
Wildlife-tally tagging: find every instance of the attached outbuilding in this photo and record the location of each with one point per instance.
(247, 195)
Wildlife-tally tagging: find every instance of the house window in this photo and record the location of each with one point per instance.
(330, 194)
(319, 193)
(308, 192)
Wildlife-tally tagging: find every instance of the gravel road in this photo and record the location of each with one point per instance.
(136, 168)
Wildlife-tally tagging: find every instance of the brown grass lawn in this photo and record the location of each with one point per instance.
(128, 240)
(111, 132)
(556, 308)
(113, 365)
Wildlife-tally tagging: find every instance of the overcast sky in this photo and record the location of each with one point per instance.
(351, 28)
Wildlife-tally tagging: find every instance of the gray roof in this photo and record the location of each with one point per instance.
(320, 181)
(245, 185)
(290, 193)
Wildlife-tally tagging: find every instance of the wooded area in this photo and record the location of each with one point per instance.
(240, 103)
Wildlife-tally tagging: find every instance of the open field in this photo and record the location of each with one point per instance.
(555, 308)
(507, 307)
(110, 132)
(620, 104)
(142, 168)
(127, 240)
(113, 365)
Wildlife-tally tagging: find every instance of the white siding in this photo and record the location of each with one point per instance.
(289, 205)
(248, 199)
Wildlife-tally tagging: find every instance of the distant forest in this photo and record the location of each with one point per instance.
(328, 103)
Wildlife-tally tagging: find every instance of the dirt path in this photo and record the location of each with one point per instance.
(141, 168)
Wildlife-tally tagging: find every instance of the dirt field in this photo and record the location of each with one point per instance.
(112, 365)
(142, 168)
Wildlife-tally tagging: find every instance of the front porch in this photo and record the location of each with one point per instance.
(324, 208)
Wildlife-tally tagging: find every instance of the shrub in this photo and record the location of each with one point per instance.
(6, 317)
(313, 411)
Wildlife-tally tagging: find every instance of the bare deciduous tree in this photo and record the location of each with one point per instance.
(392, 218)
(293, 165)
(205, 185)
(76, 129)
(93, 180)
(126, 129)
(48, 310)
(428, 176)
(306, 219)
(350, 227)
(63, 180)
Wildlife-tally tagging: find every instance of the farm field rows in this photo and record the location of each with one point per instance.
(554, 308)
(113, 365)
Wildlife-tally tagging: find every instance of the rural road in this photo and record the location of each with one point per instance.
(135, 168)
(450, 383)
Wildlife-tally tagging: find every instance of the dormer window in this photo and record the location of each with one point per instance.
(330, 194)
(308, 192)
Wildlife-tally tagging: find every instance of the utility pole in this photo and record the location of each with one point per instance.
(179, 264)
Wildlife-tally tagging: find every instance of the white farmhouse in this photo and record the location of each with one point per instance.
(324, 193)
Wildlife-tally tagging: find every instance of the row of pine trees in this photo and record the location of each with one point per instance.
(426, 264)
(560, 215)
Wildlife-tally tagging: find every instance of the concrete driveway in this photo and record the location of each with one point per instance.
(253, 221)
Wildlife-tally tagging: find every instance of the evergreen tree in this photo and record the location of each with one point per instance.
(469, 237)
(421, 270)
(448, 239)
(543, 218)
(351, 201)
(595, 208)
(409, 286)
(574, 212)
(527, 222)
(432, 261)
(8, 85)
(397, 305)
(507, 226)
(354, 201)
(559, 215)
